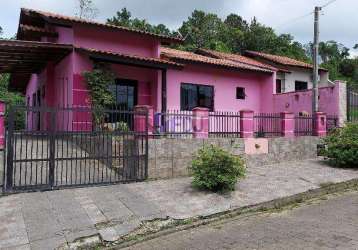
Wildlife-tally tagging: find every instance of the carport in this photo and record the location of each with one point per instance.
(23, 58)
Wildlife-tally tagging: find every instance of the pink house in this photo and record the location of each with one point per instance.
(148, 72)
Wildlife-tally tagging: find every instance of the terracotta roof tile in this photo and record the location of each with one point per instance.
(282, 60)
(133, 57)
(91, 22)
(180, 55)
(236, 58)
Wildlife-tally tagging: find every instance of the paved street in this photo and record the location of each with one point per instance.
(328, 224)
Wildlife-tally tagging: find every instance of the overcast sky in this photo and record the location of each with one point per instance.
(339, 20)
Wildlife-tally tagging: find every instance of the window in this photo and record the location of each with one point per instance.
(278, 86)
(193, 95)
(125, 94)
(240, 93)
(301, 85)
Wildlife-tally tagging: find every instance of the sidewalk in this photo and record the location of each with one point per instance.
(50, 219)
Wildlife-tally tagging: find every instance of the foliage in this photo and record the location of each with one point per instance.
(11, 99)
(98, 82)
(124, 18)
(216, 170)
(342, 146)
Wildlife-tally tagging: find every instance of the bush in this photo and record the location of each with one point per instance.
(216, 170)
(342, 146)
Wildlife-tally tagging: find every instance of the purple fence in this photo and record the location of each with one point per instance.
(174, 123)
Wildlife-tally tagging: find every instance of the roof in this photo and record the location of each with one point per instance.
(281, 60)
(235, 58)
(26, 57)
(116, 57)
(185, 56)
(26, 31)
(29, 56)
(67, 20)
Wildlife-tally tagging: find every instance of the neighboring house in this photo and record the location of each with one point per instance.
(292, 75)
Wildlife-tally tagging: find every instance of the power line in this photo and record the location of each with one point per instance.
(294, 20)
(329, 3)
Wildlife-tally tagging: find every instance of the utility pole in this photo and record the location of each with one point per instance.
(315, 60)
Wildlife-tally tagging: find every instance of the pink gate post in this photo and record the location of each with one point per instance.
(287, 124)
(320, 124)
(246, 123)
(200, 123)
(140, 118)
(2, 125)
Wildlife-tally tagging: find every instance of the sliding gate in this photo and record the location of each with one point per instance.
(50, 148)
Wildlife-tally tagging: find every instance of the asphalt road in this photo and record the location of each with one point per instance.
(325, 224)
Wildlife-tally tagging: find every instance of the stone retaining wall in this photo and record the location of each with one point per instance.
(169, 158)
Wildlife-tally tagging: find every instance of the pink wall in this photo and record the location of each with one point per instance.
(302, 101)
(116, 41)
(225, 83)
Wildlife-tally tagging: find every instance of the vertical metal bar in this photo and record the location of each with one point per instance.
(146, 145)
(52, 138)
(10, 153)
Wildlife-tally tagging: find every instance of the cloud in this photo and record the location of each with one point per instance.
(338, 21)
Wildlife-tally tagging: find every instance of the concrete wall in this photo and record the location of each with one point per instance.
(169, 158)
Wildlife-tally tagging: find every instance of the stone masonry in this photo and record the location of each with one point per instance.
(169, 158)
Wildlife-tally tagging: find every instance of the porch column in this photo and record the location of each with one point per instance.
(200, 123)
(320, 124)
(287, 124)
(164, 90)
(2, 125)
(140, 118)
(246, 123)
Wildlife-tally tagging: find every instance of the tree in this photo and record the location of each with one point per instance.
(86, 9)
(124, 18)
(203, 30)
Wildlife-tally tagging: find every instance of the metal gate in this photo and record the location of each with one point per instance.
(352, 105)
(74, 147)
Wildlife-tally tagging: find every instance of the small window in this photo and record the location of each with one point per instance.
(278, 86)
(301, 85)
(240, 93)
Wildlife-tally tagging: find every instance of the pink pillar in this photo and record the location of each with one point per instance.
(246, 123)
(287, 124)
(320, 126)
(2, 125)
(140, 118)
(200, 122)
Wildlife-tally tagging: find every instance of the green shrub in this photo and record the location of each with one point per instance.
(342, 146)
(217, 170)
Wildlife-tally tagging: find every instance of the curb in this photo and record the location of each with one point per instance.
(325, 189)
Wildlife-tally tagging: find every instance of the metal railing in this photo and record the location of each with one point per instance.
(304, 125)
(267, 125)
(224, 124)
(332, 122)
